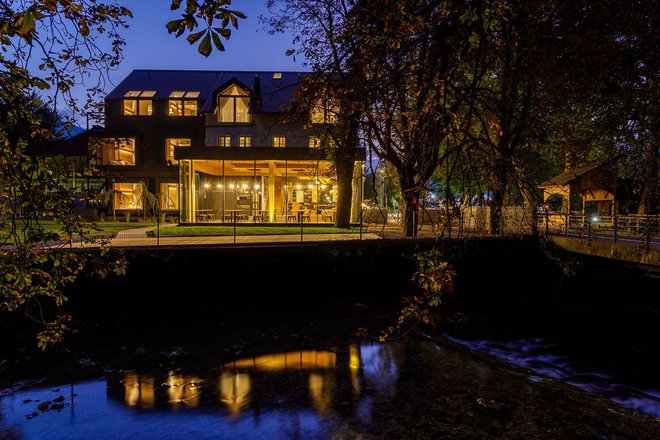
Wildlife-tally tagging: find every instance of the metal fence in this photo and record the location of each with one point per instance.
(639, 229)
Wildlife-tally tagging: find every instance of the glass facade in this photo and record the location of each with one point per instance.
(260, 191)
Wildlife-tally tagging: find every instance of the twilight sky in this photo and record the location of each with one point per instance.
(149, 46)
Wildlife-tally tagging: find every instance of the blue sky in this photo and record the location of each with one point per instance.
(149, 46)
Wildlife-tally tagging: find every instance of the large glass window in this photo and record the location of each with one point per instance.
(244, 141)
(169, 194)
(224, 141)
(138, 103)
(170, 143)
(182, 103)
(128, 195)
(115, 151)
(279, 141)
(234, 106)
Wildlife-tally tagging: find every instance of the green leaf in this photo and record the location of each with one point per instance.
(216, 41)
(226, 33)
(205, 46)
(173, 25)
(192, 38)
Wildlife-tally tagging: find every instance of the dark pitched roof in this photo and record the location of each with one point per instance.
(580, 170)
(276, 94)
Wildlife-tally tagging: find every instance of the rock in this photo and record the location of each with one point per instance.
(140, 350)
(32, 416)
(176, 353)
(86, 362)
(43, 406)
(59, 399)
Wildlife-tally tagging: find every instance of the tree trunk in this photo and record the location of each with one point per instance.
(648, 203)
(499, 184)
(410, 194)
(344, 164)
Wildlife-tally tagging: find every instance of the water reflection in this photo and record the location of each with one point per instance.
(278, 395)
(234, 391)
(406, 390)
(257, 377)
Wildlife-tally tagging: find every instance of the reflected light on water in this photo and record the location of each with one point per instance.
(354, 365)
(138, 390)
(322, 390)
(296, 360)
(234, 391)
(183, 389)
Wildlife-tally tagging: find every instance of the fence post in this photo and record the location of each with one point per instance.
(301, 226)
(234, 215)
(158, 214)
(588, 219)
(547, 224)
(568, 219)
(616, 227)
(361, 211)
(648, 232)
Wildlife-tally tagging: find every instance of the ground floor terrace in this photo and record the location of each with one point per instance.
(261, 191)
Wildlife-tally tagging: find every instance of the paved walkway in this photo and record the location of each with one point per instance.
(138, 238)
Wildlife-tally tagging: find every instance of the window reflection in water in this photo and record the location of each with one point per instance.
(183, 389)
(138, 390)
(323, 376)
(296, 360)
(234, 391)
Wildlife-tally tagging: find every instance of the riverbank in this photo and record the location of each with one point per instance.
(175, 312)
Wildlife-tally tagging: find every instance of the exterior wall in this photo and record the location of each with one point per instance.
(262, 129)
(150, 133)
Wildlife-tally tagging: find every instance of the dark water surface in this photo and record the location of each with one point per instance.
(411, 389)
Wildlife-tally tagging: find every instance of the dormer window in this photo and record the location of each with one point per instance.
(234, 106)
(182, 103)
(138, 103)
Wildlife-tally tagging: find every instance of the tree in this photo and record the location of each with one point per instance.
(332, 93)
(421, 68)
(56, 45)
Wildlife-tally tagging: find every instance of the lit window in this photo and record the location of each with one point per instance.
(169, 196)
(224, 141)
(244, 141)
(324, 111)
(138, 103)
(128, 195)
(234, 106)
(170, 143)
(279, 141)
(182, 103)
(314, 142)
(115, 151)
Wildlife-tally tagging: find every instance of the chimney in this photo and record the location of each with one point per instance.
(256, 92)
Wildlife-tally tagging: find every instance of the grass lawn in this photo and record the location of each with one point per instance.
(105, 228)
(195, 231)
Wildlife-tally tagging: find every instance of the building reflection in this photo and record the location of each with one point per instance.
(292, 380)
(234, 391)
